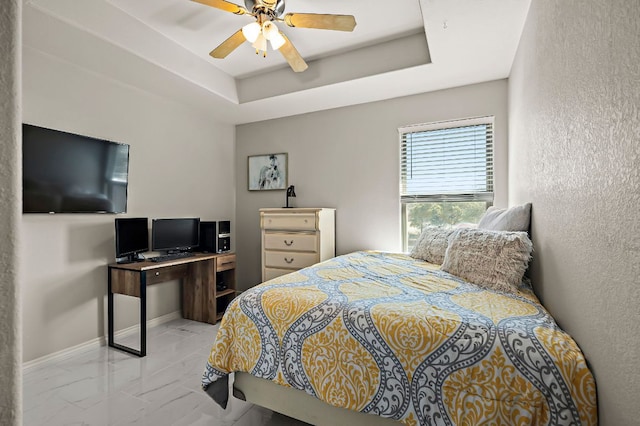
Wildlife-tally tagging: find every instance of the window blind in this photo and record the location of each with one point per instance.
(447, 161)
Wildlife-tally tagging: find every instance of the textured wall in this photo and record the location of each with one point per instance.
(574, 151)
(349, 159)
(10, 330)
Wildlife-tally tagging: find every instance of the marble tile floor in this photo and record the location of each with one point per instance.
(105, 386)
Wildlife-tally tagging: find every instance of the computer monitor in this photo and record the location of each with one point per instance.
(132, 237)
(175, 235)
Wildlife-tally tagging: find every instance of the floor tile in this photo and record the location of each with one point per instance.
(105, 386)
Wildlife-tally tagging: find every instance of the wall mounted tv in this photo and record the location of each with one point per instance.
(68, 173)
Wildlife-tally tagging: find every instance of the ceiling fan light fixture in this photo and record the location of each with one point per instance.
(277, 41)
(269, 29)
(271, 33)
(260, 44)
(251, 31)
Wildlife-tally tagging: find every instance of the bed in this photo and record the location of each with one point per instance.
(376, 333)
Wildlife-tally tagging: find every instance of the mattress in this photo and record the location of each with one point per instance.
(389, 335)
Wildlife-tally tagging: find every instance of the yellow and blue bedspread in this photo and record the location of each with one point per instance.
(386, 334)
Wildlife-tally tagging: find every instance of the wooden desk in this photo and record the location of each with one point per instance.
(200, 299)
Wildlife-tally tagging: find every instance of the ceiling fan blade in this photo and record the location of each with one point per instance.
(292, 56)
(228, 46)
(320, 21)
(224, 5)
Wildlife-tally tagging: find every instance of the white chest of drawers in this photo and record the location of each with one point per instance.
(295, 238)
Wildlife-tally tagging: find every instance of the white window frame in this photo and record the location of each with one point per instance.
(486, 196)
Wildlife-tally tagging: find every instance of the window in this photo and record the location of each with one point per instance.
(446, 174)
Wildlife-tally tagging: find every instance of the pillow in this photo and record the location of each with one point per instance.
(432, 244)
(490, 259)
(515, 219)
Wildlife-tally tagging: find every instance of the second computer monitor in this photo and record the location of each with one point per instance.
(174, 235)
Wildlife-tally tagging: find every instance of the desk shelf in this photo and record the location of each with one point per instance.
(225, 292)
(226, 275)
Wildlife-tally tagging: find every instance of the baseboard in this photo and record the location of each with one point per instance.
(95, 343)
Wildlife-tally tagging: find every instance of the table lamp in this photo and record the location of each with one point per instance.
(290, 193)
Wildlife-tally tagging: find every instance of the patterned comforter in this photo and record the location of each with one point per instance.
(386, 334)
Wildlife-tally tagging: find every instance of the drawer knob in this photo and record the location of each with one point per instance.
(288, 243)
(157, 274)
(288, 260)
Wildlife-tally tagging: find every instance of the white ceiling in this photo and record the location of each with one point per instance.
(398, 48)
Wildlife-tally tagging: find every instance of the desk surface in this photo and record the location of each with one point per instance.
(148, 265)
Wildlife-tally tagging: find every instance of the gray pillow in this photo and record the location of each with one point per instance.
(514, 219)
(490, 259)
(432, 244)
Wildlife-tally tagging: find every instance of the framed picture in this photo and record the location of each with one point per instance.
(267, 172)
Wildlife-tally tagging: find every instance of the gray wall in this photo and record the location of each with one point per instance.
(10, 182)
(574, 152)
(180, 166)
(348, 159)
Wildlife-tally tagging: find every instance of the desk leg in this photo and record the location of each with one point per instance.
(110, 310)
(143, 318)
(143, 314)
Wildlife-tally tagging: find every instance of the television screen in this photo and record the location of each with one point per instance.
(68, 173)
(132, 237)
(172, 235)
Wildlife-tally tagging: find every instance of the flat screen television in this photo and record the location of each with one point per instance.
(175, 235)
(132, 238)
(69, 173)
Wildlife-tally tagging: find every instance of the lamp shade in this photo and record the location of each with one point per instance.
(260, 43)
(277, 40)
(271, 33)
(251, 31)
(269, 29)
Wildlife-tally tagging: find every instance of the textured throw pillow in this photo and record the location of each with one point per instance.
(432, 244)
(513, 219)
(491, 259)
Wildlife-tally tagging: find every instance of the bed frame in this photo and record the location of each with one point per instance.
(300, 405)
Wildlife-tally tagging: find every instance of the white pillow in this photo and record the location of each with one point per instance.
(514, 219)
(490, 259)
(432, 244)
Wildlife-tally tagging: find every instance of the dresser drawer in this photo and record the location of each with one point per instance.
(270, 273)
(290, 242)
(283, 259)
(298, 222)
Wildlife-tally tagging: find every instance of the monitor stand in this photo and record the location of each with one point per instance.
(131, 258)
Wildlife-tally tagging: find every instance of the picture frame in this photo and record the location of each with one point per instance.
(267, 172)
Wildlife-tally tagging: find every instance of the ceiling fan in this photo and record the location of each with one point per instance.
(263, 29)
